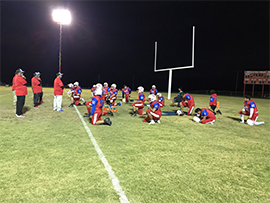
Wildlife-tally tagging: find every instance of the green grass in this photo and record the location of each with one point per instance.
(48, 156)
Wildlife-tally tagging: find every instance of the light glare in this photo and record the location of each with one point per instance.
(61, 16)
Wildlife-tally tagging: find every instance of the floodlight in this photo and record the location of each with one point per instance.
(61, 16)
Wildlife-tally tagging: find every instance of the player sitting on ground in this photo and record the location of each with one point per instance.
(154, 112)
(178, 98)
(205, 116)
(160, 99)
(96, 109)
(213, 102)
(188, 101)
(140, 103)
(250, 109)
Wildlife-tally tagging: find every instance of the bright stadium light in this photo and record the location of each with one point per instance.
(62, 17)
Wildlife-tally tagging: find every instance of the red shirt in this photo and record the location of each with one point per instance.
(213, 100)
(13, 81)
(21, 89)
(57, 86)
(35, 85)
(189, 99)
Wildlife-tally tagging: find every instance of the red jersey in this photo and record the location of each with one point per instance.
(57, 86)
(250, 104)
(126, 91)
(96, 104)
(161, 101)
(155, 105)
(213, 100)
(21, 89)
(207, 113)
(36, 85)
(189, 99)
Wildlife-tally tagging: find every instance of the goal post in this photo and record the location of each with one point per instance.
(175, 68)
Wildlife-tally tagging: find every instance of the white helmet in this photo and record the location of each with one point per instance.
(180, 113)
(98, 85)
(159, 94)
(140, 89)
(154, 86)
(196, 119)
(76, 83)
(105, 84)
(113, 85)
(98, 91)
(152, 97)
(94, 85)
(70, 85)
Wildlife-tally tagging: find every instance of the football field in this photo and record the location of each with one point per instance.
(50, 156)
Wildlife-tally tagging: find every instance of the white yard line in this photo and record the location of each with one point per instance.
(6, 94)
(115, 181)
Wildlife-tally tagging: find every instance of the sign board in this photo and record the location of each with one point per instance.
(257, 77)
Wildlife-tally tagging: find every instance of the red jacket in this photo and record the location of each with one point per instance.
(13, 82)
(21, 89)
(57, 86)
(36, 85)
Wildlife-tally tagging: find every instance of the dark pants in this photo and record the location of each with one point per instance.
(20, 104)
(37, 98)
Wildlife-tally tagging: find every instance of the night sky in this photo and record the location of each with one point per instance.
(114, 41)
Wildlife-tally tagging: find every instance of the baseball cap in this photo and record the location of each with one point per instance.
(19, 71)
(37, 73)
(57, 74)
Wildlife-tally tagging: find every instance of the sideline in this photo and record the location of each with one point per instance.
(115, 181)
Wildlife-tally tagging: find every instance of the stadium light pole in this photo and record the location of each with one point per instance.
(62, 17)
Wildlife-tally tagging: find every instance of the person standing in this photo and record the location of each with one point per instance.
(21, 92)
(13, 87)
(37, 89)
(58, 92)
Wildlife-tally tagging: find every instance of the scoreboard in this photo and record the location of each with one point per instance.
(257, 77)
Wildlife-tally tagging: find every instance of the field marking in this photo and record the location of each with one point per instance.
(115, 181)
(5, 94)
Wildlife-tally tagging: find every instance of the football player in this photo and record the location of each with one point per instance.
(160, 99)
(206, 116)
(213, 102)
(250, 110)
(153, 90)
(140, 103)
(76, 96)
(154, 112)
(96, 109)
(188, 101)
(113, 94)
(126, 93)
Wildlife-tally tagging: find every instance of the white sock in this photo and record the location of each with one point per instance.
(259, 123)
(242, 117)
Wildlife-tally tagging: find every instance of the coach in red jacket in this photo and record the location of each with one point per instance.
(37, 89)
(21, 91)
(58, 92)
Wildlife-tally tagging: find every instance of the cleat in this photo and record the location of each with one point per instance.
(158, 121)
(218, 111)
(134, 114)
(111, 113)
(71, 105)
(36, 107)
(87, 115)
(79, 104)
(107, 121)
(241, 122)
(151, 122)
(61, 110)
(84, 103)
(41, 101)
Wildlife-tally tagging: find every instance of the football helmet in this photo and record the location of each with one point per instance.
(76, 83)
(180, 113)
(151, 97)
(140, 89)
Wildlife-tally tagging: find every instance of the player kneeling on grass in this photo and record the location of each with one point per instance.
(213, 102)
(205, 116)
(140, 103)
(250, 109)
(160, 99)
(76, 95)
(188, 101)
(154, 112)
(96, 109)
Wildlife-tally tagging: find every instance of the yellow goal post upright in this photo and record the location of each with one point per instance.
(175, 68)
